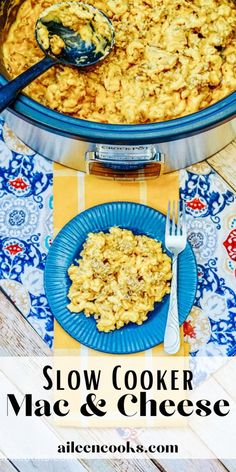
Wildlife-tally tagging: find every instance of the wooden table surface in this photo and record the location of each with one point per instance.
(19, 338)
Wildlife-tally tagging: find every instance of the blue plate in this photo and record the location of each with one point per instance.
(67, 246)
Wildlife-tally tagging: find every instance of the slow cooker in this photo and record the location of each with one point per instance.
(117, 151)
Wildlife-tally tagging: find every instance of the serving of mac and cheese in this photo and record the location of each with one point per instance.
(118, 278)
(171, 58)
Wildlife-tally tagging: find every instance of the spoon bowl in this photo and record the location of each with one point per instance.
(75, 33)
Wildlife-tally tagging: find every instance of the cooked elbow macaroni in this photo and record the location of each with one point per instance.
(118, 278)
(172, 58)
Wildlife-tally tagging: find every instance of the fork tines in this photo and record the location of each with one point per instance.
(176, 219)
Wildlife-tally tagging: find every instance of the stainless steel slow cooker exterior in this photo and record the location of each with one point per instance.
(117, 151)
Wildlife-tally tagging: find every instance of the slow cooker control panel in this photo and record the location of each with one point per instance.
(125, 162)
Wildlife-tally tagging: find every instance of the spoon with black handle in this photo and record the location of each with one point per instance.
(76, 52)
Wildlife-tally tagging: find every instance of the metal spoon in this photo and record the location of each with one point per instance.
(76, 52)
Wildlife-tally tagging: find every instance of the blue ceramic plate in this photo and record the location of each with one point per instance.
(66, 248)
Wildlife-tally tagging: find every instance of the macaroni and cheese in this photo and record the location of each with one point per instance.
(171, 58)
(118, 278)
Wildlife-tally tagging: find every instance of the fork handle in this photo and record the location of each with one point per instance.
(172, 336)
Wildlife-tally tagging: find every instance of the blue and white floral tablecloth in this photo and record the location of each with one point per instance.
(26, 228)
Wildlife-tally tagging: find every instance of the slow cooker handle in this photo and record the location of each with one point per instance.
(125, 162)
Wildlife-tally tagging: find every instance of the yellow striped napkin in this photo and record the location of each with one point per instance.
(74, 192)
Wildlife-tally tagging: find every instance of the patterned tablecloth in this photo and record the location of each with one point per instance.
(26, 228)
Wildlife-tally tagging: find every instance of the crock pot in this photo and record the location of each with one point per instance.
(117, 151)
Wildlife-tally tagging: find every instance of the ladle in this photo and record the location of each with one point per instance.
(75, 52)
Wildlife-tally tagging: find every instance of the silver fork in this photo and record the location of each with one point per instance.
(175, 242)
